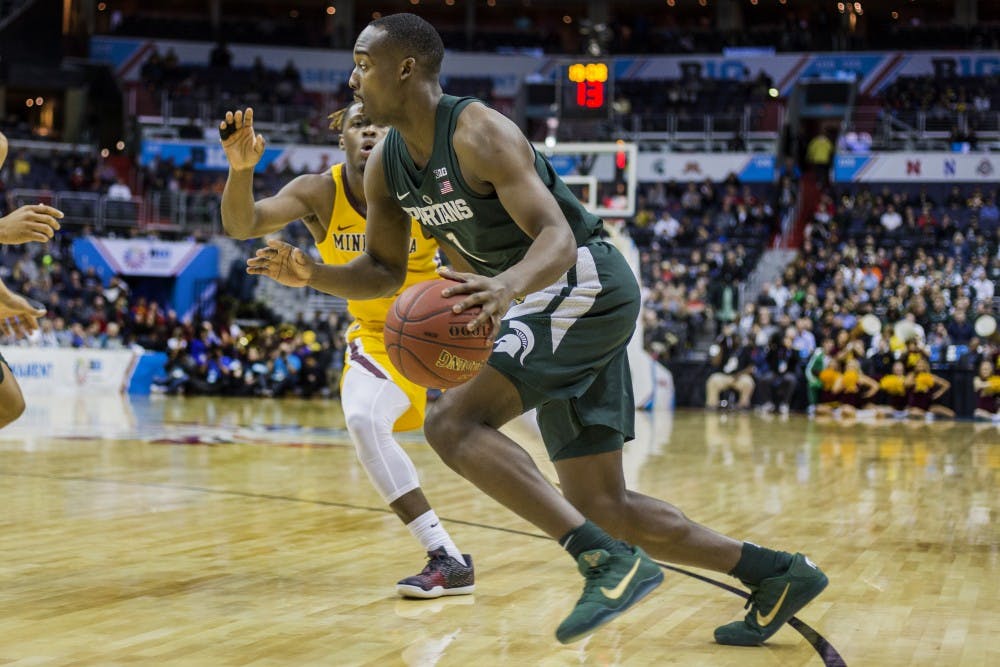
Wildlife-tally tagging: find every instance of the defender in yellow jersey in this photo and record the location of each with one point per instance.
(345, 241)
(376, 399)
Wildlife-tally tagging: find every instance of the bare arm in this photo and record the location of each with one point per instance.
(378, 272)
(943, 387)
(494, 153)
(243, 218)
(496, 157)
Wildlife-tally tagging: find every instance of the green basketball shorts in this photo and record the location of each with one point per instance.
(564, 348)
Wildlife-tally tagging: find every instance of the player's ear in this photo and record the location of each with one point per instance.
(340, 142)
(406, 68)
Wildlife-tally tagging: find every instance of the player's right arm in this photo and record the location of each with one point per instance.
(31, 222)
(18, 317)
(242, 217)
(379, 271)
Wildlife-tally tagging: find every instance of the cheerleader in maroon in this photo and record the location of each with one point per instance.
(986, 384)
(925, 392)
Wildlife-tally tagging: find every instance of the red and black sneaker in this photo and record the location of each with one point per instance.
(443, 575)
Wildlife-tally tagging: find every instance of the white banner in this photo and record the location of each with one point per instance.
(917, 167)
(145, 257)
(70, 370)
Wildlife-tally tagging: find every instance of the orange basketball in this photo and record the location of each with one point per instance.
(428, 343)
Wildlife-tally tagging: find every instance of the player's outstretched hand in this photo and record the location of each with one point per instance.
(18, 318)
(491, 294)
(243, 148)
(282, 262)
(32, 222)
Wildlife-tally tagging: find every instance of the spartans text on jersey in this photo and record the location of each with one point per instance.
(433, 215)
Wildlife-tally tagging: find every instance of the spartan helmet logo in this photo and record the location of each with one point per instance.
(518, 342)
(593, 558)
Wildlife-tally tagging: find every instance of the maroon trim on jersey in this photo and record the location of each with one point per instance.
(363, 361)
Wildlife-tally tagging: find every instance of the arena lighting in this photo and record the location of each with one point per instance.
(671, 3)
(101, 6)
(895, 15)
(702, 2)
(120, 145)
(567, 19)
(105, 152)
(773, 92)
(331, 10)
(29, 102)
(39, 101)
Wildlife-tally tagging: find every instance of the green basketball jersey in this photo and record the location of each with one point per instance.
(477, 226)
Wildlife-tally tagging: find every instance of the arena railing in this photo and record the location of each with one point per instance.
(157, 211)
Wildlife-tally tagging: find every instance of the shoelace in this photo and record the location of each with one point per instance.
(431, 559)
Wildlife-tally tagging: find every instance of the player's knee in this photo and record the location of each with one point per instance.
(362, 425)
(443, 431)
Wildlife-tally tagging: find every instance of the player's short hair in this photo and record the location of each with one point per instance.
(411, 33)
(337, 117)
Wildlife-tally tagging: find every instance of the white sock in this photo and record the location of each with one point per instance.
(431, 534)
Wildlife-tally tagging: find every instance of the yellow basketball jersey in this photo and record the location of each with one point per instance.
(345, 240)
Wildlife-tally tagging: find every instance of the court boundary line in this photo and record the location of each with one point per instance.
(824, 649)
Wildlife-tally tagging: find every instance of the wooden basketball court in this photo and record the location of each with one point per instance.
(172, 531)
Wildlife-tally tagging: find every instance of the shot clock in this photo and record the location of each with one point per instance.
(585, 90)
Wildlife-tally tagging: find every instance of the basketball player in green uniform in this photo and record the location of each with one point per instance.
(34, 222)
(563, 303)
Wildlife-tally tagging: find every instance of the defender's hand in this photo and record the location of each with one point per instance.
(32, 222)
(282, 262)
(18, 318)
(243, 148)
(491, 294)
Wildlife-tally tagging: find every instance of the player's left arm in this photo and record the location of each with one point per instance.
(379, 271)
(495, 155)
(943, 387)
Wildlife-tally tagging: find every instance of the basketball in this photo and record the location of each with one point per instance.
(428, 343)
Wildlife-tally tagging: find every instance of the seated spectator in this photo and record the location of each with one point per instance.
(735, 371)
(986, 385)
(891, 220)
(120, 191)
(778, 383)
(816, 364)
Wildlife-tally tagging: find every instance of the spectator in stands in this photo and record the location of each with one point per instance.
(735, 368)
(777, 384)
(120, 190)
(220, 57)
(891, 220)
(819, 157)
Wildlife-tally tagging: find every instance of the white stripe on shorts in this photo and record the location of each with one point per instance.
(576, 304)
